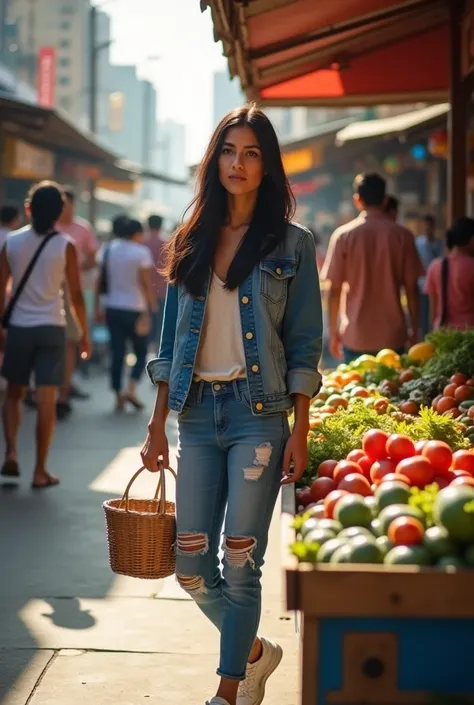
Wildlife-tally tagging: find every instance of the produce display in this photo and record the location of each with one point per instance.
(391, 472)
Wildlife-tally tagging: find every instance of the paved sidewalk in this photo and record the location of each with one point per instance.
(73, 632)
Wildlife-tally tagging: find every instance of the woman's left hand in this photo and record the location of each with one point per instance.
(295, 457)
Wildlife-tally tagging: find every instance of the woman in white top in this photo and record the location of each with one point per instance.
(127, 295)
(240, 346)
(36, 328)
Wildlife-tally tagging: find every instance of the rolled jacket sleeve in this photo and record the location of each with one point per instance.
(159, 370)
(302, 332)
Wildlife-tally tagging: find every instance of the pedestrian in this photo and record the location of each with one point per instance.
(10, 220)
(82, 234)
(429, 248)
(241, 343)
(450, 280)
(373, 259)
(155, 240)
(39, 260)
(392, 206)
(124, 289)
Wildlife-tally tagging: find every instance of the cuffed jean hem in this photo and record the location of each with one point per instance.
(230, 678)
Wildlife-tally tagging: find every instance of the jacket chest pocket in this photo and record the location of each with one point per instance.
(275, 274)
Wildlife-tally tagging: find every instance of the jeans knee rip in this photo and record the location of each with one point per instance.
(192, 544)
(263, 453)
(193, 584)
(237, 556)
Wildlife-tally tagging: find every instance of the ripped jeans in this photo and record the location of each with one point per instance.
(229, 463)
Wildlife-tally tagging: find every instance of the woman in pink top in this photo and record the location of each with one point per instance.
(452, 292)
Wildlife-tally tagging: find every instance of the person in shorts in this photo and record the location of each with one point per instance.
(36, 339)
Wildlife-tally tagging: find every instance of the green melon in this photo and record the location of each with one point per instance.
(450, 512)
(408, 555)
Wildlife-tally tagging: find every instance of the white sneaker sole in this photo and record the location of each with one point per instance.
(277, 655)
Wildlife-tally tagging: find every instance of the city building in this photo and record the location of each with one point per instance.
(51, 39)
(227, 95)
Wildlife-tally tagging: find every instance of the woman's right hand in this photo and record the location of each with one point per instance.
(155, 448)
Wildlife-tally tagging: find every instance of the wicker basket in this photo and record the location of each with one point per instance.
(141, 533)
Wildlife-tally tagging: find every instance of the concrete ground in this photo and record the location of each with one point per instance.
(73, 632)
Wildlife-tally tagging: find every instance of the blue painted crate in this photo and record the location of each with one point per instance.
(377, 636)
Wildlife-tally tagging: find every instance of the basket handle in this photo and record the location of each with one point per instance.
(161, 496)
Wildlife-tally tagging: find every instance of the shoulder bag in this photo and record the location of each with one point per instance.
(24, 280)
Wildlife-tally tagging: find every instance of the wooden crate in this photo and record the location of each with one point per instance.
(378, 636)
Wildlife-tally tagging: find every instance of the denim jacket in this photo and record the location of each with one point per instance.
(281, 316)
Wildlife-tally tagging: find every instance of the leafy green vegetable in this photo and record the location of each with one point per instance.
(424, 500)
(454, 352)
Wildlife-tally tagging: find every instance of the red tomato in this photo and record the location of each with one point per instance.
(321, 487)
(331, 500)
(326, 469)
(355, 455)
(365, 464)
(345, 467)
(463, 460)
(355, 484)
(303, 497)
(458, 379)
(381, 405)
(442, 481)
(396, 477)
(381, 468)
(418, 470)
(399, 447)
(440, 456)
(405, 531)
(449, 390)
(373, 443)
(419, 445)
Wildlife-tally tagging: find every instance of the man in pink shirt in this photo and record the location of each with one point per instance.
(450, 280)
(85, 239)
(372, 258)
(155, 240)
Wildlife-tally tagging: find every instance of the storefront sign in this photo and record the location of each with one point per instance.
(46, 77)
(26, 161)
(298, 161)
(117, 185)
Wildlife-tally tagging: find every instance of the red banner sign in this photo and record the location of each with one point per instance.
(46, 77)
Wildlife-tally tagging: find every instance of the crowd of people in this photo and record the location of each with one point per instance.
(47, 268)
(387, 287)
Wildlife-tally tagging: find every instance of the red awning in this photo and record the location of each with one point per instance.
(323, 52)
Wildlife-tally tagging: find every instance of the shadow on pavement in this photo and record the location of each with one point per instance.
(52, 543)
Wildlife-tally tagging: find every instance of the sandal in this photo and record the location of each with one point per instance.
(51, 481)
(10, 468)
(135, 402)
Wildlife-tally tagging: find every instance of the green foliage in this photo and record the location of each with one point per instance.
(424, 500)
(379, 374)
(454, 353)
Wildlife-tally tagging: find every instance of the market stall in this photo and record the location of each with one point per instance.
(382, 545)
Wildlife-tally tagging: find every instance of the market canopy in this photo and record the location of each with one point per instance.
(324, 52)
(52, 129)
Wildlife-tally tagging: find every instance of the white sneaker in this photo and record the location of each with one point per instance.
(252, 689)
(217, 701)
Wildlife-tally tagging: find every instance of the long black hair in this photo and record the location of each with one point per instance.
(46, 202)
(191, 250)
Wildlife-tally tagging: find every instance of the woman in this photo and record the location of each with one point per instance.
(450, 280)
(128, 299)
(240, 347)
(36, 341)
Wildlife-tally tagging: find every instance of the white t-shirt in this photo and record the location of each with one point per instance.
(41, 302)
(221, 355)
(125, 259)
